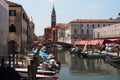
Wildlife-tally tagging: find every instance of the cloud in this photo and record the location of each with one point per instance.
(52, 1)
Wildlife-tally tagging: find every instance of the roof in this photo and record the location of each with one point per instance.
(62, 25)
(49, 27)
(94, 21)
(59, 25)
(13, 4)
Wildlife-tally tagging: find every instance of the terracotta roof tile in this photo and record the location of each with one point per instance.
(59, 25)
(94, 21)
(62, 25)
(49, 27)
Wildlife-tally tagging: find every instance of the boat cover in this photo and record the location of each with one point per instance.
(43, 53)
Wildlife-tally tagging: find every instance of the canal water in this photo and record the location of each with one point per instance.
(75, 68)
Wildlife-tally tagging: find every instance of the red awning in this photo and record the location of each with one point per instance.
(88, 42)
(115, 41)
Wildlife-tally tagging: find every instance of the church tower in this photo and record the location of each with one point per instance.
(53, 18)
(53, 25)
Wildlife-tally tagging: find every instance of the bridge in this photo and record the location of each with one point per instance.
(64, 45)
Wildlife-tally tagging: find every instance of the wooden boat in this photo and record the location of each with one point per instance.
(75, 50)
(40, 76)
(40, 73)
(94, 55)
(115, 59)
(97, 55)
(47, 76)
(116, 65)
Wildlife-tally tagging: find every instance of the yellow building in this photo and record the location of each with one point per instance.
(18, 24)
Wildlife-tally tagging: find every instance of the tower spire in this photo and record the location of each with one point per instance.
(53, 18)
(53, 9)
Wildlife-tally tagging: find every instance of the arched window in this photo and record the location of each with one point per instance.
(87, 25)
(103, 24)
(12, 28)
(82, 32)
(93, 26)
(75, 31)
(88, 32)
(98, 25)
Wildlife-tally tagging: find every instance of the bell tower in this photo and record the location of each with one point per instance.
(53, 18)
(53, 25)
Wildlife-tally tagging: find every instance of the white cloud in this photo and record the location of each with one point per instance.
(52, 1)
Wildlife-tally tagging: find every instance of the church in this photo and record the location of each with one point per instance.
(50, 33)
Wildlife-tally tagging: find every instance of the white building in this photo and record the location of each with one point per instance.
(83, 28)
(63, 33)
(4, 16)
(112, 31)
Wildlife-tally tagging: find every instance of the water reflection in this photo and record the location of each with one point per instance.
(90, 66)
(74, 67)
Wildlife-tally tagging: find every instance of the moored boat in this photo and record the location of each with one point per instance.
(115, 59)
(47, 76)
(94, 55)
(40, 73)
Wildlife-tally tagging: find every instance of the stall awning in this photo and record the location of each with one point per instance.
(89, 42)
(115, 41)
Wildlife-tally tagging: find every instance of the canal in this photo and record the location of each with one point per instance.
(75, 68)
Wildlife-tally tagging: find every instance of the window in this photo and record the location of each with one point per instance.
(81, 25)
(68, 35)
(12, 13)
(75, 31)
(82, 32)
(23, 16)
(93, 26)
(62, 35)
(98, 25)
(12, 28)
(103, 24)
(87, 31)
(87, 25)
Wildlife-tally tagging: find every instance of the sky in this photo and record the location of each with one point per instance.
(68, 10)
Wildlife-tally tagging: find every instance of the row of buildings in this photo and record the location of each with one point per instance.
(16, 29)
(81, 29)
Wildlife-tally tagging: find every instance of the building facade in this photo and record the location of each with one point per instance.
(30, 33)
(83, 28)
(4, 11)
(112, 31)
(107, 32)
(62, 33)
(18, 24)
